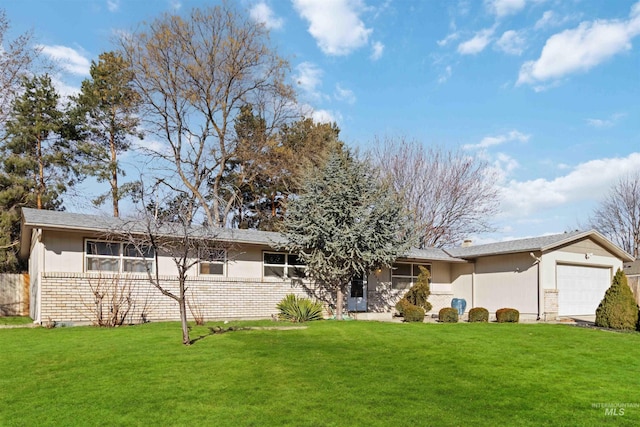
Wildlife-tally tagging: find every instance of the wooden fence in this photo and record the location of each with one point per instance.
(14, 294)
(634, 284)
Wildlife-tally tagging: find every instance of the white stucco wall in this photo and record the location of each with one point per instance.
(65, 254)
(507, 281)
(576, 254)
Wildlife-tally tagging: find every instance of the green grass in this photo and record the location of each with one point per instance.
(330, 374)
(15, 320)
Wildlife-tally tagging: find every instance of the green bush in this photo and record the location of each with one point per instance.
(618, 309)
(507, 315)
(297, 309)
(413, 313)
(414, 304)
(478, 314)
(419, 292)
(448, 315)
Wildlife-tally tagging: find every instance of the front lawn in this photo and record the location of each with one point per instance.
(330, 374)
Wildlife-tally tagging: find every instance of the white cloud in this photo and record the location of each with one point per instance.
(586, 182)
(505, 7)
(343, 94)
(501, 165)
(335, 24)
(376, 51)
(309, 78)
(581, 49)
(113, 5)
(175, 4)
(63, 89)
(448, 39)
(477, 43)
(325, 116)
(262, 13)
(511, 42)
(605, 123)
(490, 141)
(548, 19)
(69, 59)
(445, 75)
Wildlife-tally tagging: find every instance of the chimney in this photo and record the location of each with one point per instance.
(466, 243)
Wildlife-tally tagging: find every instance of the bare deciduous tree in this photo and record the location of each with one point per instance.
(448, 194)
(168, 232)
(16, 58)
(618, 215)
(193, 75)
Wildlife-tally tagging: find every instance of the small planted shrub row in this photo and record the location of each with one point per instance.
(478, 314)
(507, 315)
(448, 315)
(410, 312)
(298, 309)
(414, 304)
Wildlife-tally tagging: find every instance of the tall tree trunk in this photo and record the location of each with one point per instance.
(40, 183)
(182, 302)
(339, 302)
(183, 320)
(114, 176)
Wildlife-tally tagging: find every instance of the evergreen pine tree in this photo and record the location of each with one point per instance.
(618, 309)
(344, 224)
(106, 110)
(36, 165)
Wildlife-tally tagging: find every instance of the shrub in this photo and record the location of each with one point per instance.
(402, 305)
(413, 313)
(414, 304)
(478, 314)
(448, 315)
(618, 309)
(507, 315)
(419, 293)
(297, 309)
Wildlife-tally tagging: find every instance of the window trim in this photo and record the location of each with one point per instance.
(121, 258)
(413, 279)
(223, 263)
(286, 266)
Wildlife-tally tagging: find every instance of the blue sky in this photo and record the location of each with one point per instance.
(545, 91)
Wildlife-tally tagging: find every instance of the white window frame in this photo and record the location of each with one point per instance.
(412, 278)
(120, 258)
(286, 266)
(202, 261)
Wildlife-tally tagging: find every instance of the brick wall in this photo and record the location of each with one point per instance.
(69, 297)
(550, 304)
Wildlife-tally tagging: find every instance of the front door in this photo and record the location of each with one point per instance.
(357, 300)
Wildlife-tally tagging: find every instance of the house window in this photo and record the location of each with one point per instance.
(405, 275)
(118, 257)
(282, 265)
(213, 262)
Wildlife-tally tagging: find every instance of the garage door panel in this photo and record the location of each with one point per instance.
(580, 288)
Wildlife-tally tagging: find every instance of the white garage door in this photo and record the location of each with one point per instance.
(580, 289)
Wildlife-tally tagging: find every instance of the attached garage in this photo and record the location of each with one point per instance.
(581, 288)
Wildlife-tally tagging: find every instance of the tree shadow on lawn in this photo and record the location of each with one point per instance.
(218, 330)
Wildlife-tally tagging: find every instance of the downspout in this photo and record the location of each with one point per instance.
(540, 297)
(473, 285)
(39, 274)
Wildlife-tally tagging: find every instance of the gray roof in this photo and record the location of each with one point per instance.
(33, 218)
(542, 243)
(433, 254)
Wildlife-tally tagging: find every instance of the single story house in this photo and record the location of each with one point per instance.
(71, 255)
